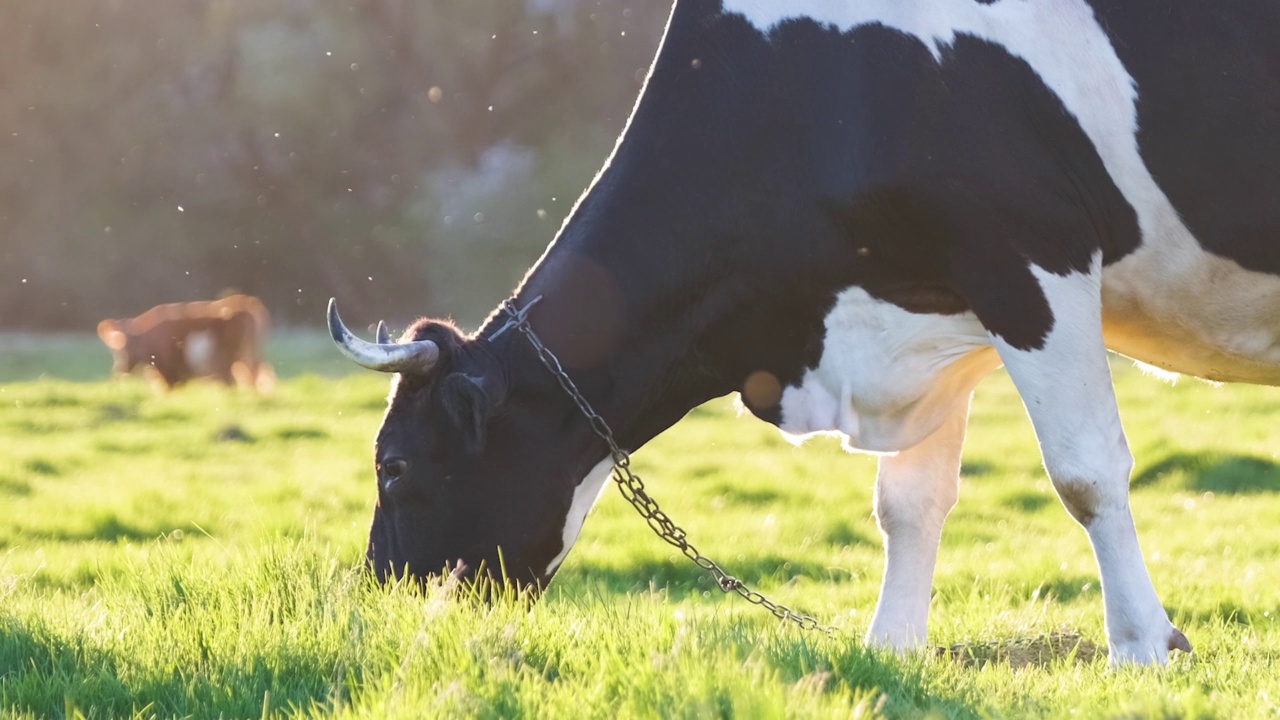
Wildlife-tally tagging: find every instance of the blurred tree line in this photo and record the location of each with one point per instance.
(406, 156)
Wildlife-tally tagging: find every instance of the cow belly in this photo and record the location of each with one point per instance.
(1166, 345)
(1174, 306)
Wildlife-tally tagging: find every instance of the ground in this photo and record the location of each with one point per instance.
(197, 554)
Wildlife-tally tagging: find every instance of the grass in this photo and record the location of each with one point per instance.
(197, 555)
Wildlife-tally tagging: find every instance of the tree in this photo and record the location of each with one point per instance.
(401, 155)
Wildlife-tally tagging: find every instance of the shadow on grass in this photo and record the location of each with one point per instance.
(1218, 473)
(841, 534)
(41, 466)
(1224, 611)
(116, 412)
(47, 673)
(1038, 651)
(301, 433)
(1067, 589)
(977, 468)
(35, 663)
(681, 579)
(1026, 501)
(13, 486)
(106, 528)
(749, 497)
(904, 690)
(232, 433)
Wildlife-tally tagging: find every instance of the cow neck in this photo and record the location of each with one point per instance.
(652, 322)
(627, 348)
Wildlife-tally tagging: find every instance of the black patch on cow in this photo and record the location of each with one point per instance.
(971, 171)
(948, 179)
(757, 183)
(1208, 78)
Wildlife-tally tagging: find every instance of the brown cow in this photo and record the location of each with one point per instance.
(175, 342)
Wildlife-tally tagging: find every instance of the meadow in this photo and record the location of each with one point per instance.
(197, 554)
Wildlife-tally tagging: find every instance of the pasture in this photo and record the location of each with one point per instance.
(197, 554)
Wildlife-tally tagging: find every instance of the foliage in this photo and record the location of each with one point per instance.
(153, 563)
(297, 149)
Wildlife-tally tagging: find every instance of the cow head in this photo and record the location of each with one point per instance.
(115, 335)
(477, 460)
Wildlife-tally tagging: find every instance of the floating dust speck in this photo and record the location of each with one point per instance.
(1038, 650)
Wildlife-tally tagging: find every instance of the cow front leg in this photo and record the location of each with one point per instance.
(1067, 389)
(915, 490)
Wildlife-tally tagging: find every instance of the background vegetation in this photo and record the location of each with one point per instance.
(153, 151)
(197, 554)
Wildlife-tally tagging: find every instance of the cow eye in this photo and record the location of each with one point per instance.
(391, 471)
(394, 469)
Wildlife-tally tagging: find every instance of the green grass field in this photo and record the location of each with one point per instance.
(197, 554)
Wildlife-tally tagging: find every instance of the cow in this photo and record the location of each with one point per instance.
(850, 212)
(175, 342)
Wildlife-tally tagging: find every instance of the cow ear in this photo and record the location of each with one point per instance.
(110, 333)
(468, 406)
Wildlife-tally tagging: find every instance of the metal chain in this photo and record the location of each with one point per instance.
(633, 488)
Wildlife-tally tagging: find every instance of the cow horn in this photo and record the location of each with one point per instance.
(383, 335)
(418, 356)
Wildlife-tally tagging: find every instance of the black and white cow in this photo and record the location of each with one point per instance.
(850, 211)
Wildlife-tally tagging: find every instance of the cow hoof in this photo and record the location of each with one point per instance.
(1136, 651)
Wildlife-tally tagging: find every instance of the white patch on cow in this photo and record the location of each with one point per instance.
(198, 350)
(887, 378)
(1226, 329)
(1067, 389)
(584, 498)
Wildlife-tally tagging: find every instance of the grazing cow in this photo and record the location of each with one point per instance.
(175, 342)
(850, 212)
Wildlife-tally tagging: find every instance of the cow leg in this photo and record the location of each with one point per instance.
(1067, 389)
(915, 489)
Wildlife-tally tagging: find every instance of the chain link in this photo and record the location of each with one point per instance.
(633, 488)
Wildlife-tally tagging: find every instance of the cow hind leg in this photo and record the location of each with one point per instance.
(915, 490)
(264, 380)
(1067, 389)
(244, 374)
